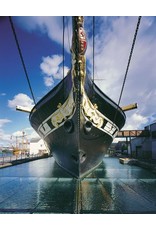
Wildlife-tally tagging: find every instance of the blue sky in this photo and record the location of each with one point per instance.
(41, 42)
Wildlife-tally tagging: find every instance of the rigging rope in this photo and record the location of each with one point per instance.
(128, 64)
(21, 57)
(129, 60)
(93, 92)
(63, 44)
(93, 45)
(68, 33)
(26, 73)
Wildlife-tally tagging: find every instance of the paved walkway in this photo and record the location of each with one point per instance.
(7, 161)
(143, 163)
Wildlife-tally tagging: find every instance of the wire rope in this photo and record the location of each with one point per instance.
(128, 64)
(22, 59)
(129, 59)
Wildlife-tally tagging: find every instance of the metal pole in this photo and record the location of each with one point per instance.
(130, 148)
(127, 144)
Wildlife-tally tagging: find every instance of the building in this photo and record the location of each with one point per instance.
(37, 146)
(145, 147)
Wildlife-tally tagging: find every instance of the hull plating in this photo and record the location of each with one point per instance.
(77, 134)
(78, 149)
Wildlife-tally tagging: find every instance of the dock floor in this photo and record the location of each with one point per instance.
(43, 187)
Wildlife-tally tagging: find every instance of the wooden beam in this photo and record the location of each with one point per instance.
(23, 109)
(129, 107)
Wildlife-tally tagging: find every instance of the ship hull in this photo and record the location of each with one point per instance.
(77, 150)
(77, 133)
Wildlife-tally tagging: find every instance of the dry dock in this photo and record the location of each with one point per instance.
(43, 187)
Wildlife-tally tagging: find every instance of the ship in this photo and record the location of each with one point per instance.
(77, 121)
(20, 147)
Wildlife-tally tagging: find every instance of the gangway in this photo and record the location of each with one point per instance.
(133, 133)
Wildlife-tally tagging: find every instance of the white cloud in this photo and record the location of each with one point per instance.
(112, 49)
(28, 129)
(48, 81)
(4, 137)
(51, 69)
(50, 65)
(52, 26)
(28, 134)
(34, 134)
(31, 133)
(59, 74)
(135, 121)
(4, 121)
(21, 100)
(18, 134)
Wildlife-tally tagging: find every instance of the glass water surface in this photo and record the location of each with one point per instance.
(42, 186)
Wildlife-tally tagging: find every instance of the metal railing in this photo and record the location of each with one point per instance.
(6, 158)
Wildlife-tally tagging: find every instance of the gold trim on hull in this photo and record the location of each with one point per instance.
(64, 111)
(91, 112)
(67, 110)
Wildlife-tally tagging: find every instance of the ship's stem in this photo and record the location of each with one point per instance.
(78, 50)
(78, 72)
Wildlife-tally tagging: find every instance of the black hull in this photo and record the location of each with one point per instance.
(75, 150)
(76, 142)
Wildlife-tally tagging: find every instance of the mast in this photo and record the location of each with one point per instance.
(78, 50)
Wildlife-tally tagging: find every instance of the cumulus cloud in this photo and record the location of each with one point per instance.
(21, 100)
(112, 49)
(135, 121)
(29, 133)
(18, 134)
(50, 65)
(52, 69)
(48, 81)
(52, 26)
